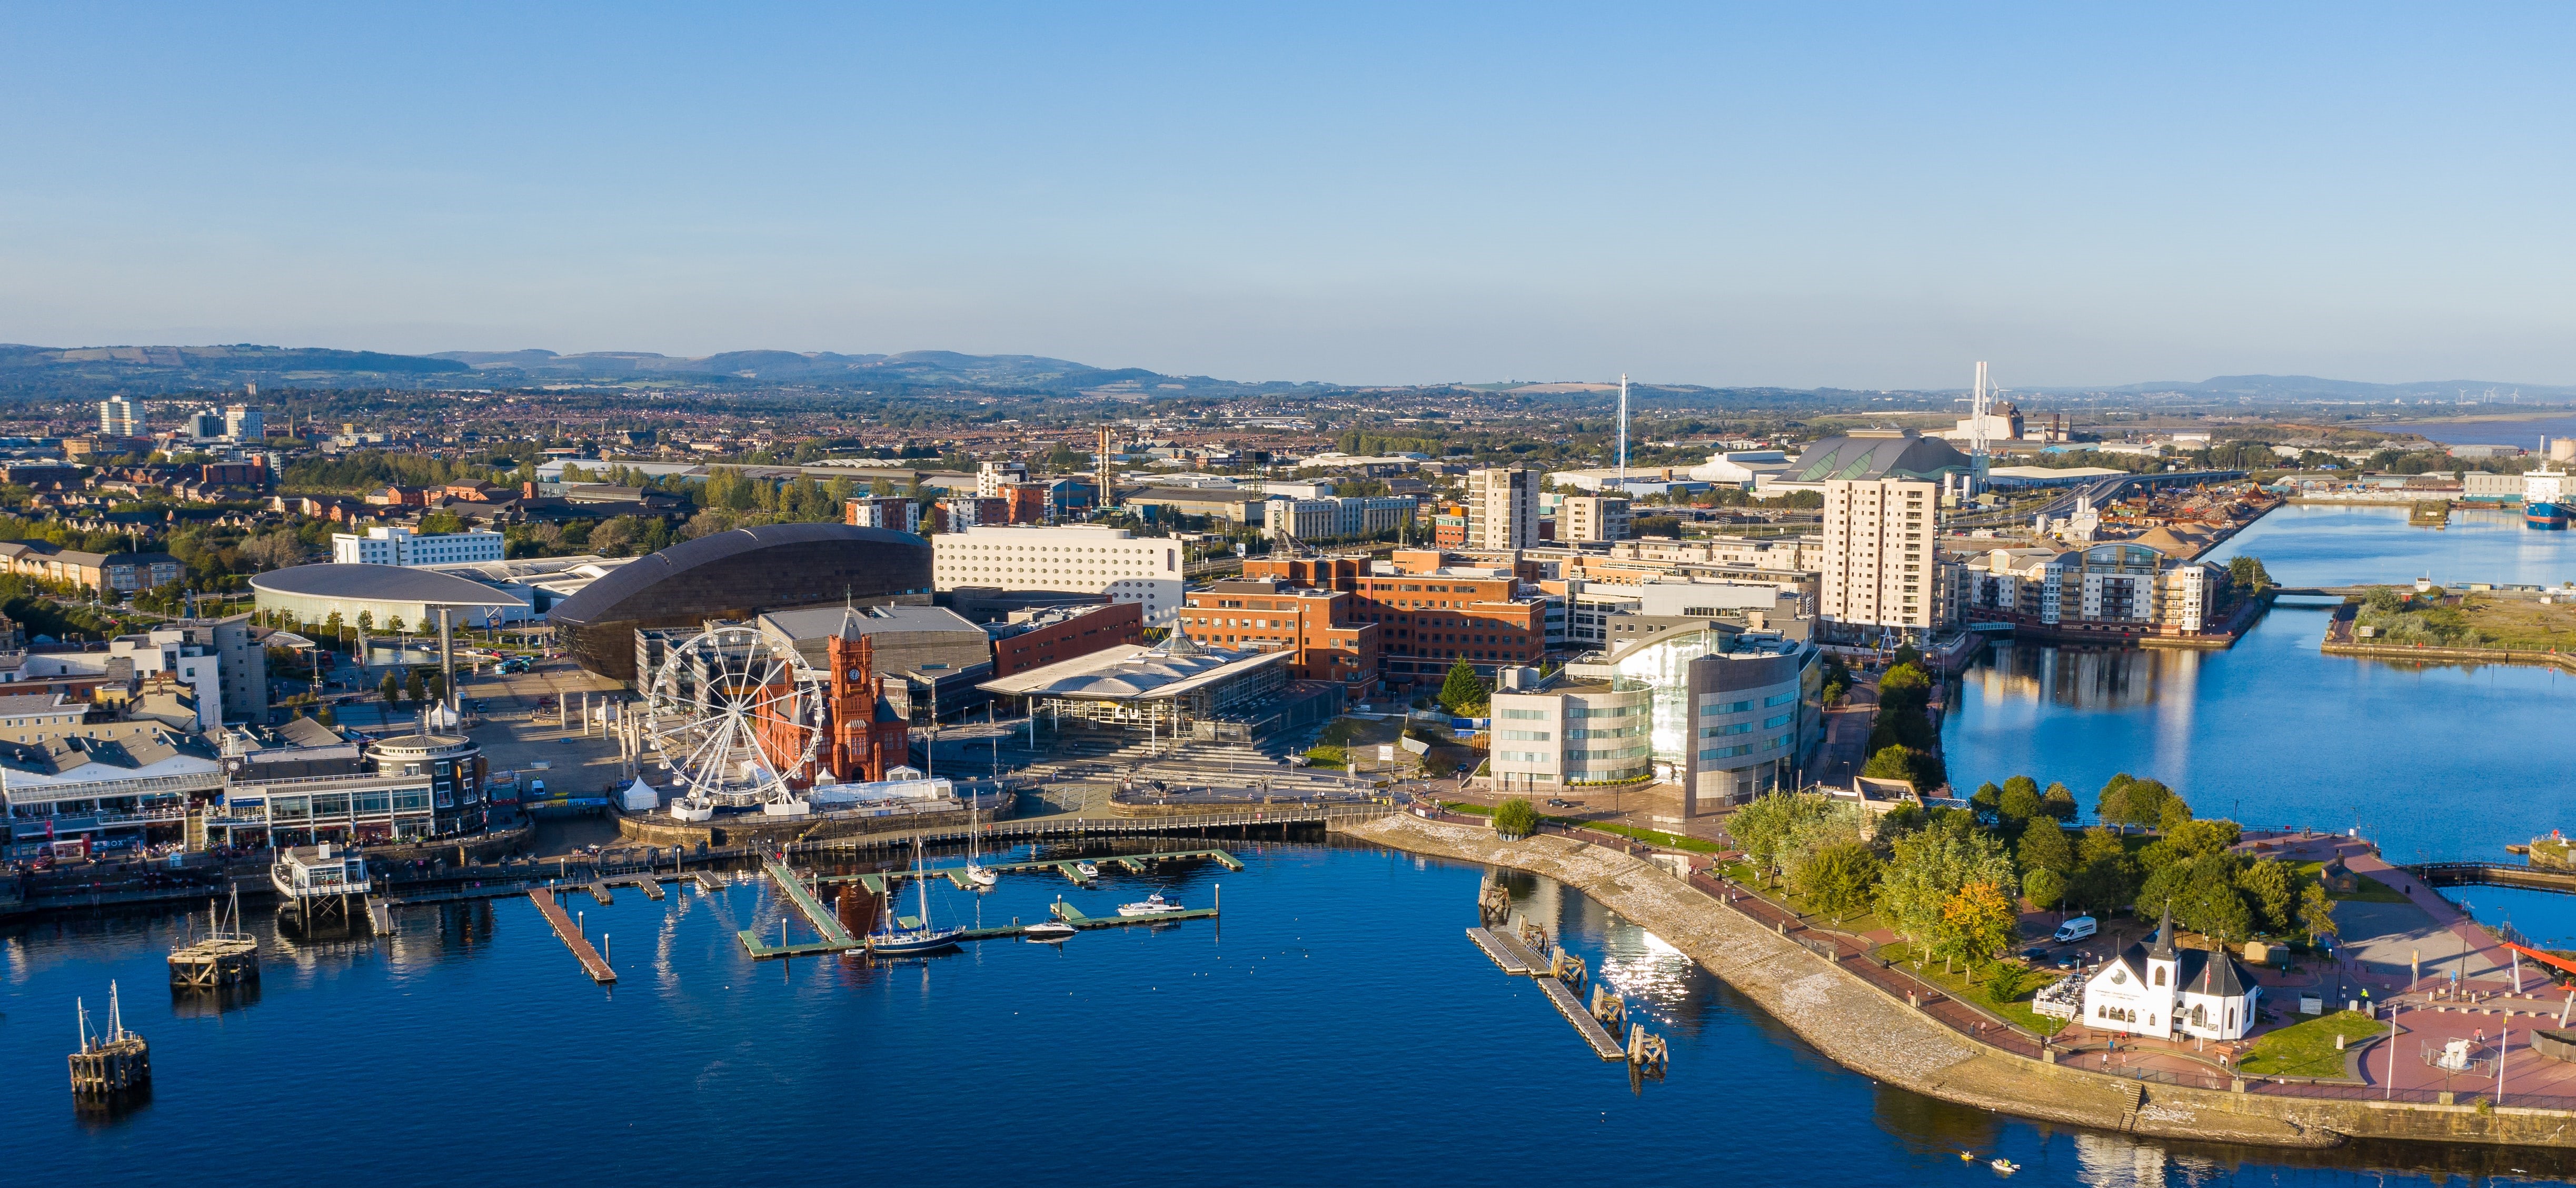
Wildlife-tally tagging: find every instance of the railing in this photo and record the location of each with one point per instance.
(1077, 826)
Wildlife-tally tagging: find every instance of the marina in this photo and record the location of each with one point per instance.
(835, 938)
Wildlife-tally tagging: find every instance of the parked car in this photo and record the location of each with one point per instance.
(2076, 929)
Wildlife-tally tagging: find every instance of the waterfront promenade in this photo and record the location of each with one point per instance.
(1878, 1020)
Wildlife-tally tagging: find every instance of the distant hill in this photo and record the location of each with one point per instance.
(85, 372)
(910, 369)
(34, 370)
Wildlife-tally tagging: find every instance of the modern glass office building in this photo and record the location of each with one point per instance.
(1724, 713)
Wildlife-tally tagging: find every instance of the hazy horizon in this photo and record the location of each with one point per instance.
(1858, 197)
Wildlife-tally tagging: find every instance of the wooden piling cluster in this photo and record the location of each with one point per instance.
(1560, 976)
(222, 958)
(113, 1063)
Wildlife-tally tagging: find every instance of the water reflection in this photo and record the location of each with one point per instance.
(2084, 678)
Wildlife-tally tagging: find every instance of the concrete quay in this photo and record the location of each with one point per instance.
(1870, 1031)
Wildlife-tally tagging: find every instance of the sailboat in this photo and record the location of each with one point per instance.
(976, 872)
(895, 938)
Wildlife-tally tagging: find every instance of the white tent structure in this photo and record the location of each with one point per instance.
(638, 797)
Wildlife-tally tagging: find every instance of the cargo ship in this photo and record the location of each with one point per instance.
(2545, 499)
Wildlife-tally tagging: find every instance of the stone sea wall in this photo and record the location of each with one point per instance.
(1868, 1032)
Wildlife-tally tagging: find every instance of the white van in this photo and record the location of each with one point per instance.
(2076, 929)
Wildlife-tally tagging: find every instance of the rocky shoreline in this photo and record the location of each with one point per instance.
(1864, 1029)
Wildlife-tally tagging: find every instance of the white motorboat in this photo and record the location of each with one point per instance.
(1153, 905)
(1048, 931)
(1086, 870)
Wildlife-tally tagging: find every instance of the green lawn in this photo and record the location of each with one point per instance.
(1956, 983)
(2308, 1049)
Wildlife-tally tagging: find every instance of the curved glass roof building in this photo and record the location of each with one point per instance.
(737, 575)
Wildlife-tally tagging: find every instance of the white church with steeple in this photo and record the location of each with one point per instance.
(2159, 990)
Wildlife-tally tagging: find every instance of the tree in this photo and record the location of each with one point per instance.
(2316, 913)
(1927, 870)
(1767, 829)
(273, 550)
(436, 682)
(2201, 890)
(2044, 847)
(2104, 876)
(326, 717)
(2128, 800)
(1985, 797)
(1461, 691)
(2004, 982)
(2172, 814)
(2059, 802)
(414, 689)
(2044, 888)
(1977, 922)
(391, 688)
(2020, 802)
(2274, 894)
(395, 625)
(1515, 818)
(366, 621)
(2248, 574)
(1894, 762)
(1839, 879)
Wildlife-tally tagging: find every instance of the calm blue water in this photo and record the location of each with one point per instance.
(2448, 761)
(1335, 1026)
(2526, 434)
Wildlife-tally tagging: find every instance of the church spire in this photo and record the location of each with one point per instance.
(2163, 949)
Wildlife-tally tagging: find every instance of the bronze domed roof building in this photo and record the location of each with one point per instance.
(737, 575)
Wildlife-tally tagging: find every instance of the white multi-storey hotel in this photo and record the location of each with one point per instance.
(1881, 557)
(1077, 558)
(402, 546)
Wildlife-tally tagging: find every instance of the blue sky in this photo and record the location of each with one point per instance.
(1814, 194)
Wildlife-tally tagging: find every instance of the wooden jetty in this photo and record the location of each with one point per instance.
(1494, 950)
(1584, 1024)
(380, 916)
(591, 962)
(1529, 963)
(112, 1063)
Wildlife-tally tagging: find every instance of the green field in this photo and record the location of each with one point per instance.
(2308, 1049)
(1957, 985)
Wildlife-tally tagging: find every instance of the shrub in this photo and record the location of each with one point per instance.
(2004, 982)
(1515, 818)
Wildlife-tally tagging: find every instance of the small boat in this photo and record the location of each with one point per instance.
(1152, 905)
(2005, 1166)
(1048, 931)
(975, 871)
(1086, 869)
(913, 936)
(1967, 1157)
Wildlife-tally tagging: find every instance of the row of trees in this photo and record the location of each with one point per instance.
(1950, 881)
(1902, 742)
